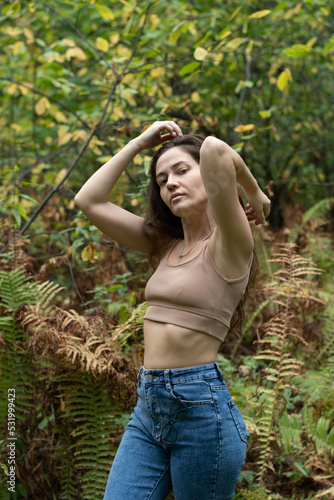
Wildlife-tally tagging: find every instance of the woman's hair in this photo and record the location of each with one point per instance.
(161, 226)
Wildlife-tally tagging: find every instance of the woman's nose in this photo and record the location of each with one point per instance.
(172, 182)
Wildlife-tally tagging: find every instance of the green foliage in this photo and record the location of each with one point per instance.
(81, 425)
(79, 79)
(88, 411)
(290, 291)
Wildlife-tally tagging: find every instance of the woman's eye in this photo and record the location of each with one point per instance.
(163, 182)
(183, 171)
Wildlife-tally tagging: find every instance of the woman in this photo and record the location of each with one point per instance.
(185, 433)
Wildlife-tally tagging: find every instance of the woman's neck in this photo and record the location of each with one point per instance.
(197, 228)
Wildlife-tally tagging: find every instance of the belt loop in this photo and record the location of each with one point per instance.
(167, 380)
(139, 376)
(220, 374)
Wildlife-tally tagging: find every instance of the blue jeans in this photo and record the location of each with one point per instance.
(185, 434)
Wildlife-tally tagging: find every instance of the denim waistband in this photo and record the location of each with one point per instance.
(185, 374)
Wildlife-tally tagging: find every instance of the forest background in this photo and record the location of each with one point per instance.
(78, 80)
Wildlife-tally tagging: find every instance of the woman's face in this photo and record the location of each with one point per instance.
(179, 179)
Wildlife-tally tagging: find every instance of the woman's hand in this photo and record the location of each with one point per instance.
(258, 207)
(154, 135)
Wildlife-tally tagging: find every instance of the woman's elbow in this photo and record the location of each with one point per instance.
(216, 156)
(79, 201)
(214, 146)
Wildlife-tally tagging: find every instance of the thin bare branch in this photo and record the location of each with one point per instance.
(85, 39)
(92, 133)
(75, 162)
(50, 98)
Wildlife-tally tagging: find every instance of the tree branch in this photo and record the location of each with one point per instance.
(242, 95)
(39, 92)
(75, 162)
(85, 39)
(47, 158)
(93, 132)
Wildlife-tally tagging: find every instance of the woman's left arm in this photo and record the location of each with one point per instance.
(221, 169)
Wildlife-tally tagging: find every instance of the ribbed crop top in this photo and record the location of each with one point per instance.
(194, 294)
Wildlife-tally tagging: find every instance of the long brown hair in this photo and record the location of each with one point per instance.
(161, 226)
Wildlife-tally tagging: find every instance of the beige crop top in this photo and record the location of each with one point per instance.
(194, 294)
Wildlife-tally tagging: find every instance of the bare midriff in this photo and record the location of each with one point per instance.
(171, 346)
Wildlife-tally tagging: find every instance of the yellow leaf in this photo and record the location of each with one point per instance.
(102, 44)
(216, 58)
(200, 54)
(11, 31)
(244, 128)
(265, 113)
(17, 47)
(88, 253)
(60, 117)
(11, 89)
(195, 97)
(138, 160)
(37, 170)
(60, 175)
(293, 12)
(104, 159)
(312, 41)
(298, 50)
(235, 43)
(154, 20)
(63, 136)
(114, 38)
(158, 72)
(82, 72)
(104, 11)
(225, 34)
(192, 29)
(23, 89)
(41, 106)
(80, 134)
(259, 14)
(283, 79)
(68, 42)
(16, 126)
(174, 36)
(29, 35)
(77, 53)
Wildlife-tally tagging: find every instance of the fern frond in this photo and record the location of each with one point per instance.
(290, 290)
(319, 210)
(325, 493)
(132, 326)
(16, 288)
(90, 409)
(47, 292)
(290, 428)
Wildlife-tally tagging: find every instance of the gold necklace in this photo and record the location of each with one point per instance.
(199, 241)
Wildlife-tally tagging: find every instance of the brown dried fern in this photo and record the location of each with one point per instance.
(293, 296)
(89, 341)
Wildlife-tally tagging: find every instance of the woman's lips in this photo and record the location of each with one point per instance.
(176, 197)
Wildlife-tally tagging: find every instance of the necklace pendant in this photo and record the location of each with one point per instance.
(199, 241)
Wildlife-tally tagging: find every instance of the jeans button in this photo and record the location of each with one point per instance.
(149, 377)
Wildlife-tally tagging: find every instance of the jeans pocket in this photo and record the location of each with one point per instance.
(239, 421)
(196, 392)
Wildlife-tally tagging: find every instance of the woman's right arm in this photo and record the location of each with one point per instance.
(93, 198)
